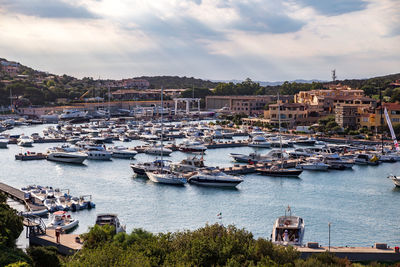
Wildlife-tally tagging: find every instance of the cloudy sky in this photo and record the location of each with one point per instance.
(266, 40)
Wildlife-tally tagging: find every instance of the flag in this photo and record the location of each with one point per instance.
(219, 214)
(288, 208)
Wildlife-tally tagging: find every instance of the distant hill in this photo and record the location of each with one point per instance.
(169, 82)
(267, 83)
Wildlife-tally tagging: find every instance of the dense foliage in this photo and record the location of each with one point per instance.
(176, 82)
(10, 229)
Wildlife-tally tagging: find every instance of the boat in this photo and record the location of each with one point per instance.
(259, 141)
(288, 230)
(159, 176)
(67, 157)
(272, 155)
(110, 219)
(158, 150)
(3, 142)
(214, 179)
(122, 152)
(97, 153)
(30, 156)
(301, 152)
(395, 179)
(304, 141)
(141, 168)
(366, 159)
(192, 146)
(25, 141)
(62, 220)
(277, 171)
(73, 114)
(313, 164)
(190, 164)
(336, 162)
(124, 138)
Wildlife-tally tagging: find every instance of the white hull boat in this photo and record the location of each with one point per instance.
(288, 230)
(166, 178)
(215, 179)
(395, 179)
(63, 221)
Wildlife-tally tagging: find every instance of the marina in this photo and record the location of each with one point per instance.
(344, 197)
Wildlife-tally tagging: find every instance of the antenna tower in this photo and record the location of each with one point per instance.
(334, 75)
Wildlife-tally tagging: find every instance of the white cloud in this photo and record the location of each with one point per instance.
(218, 39)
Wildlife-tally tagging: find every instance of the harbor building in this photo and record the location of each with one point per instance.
(347, 116)
(291, 114)
(372, 121)
(247, 104)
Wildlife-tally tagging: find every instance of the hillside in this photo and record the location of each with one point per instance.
(34, 87)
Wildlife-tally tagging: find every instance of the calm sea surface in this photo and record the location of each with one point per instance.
(361, 204)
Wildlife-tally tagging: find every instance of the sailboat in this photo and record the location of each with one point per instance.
(275, 170)
(162, 176)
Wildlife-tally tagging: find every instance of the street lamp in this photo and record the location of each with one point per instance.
(329, 226)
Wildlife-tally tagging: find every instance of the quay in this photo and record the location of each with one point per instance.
(379, 252)
(16, 194)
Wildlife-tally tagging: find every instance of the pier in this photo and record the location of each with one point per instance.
(375, 253)
(18, 195)
(68, 245)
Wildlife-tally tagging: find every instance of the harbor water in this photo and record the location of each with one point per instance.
(361, 204)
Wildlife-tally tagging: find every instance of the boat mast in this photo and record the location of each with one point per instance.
(162, 129)
(380, 99)
(280, 137)
(109, 95)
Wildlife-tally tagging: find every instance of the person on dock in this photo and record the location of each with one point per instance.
(58, 233)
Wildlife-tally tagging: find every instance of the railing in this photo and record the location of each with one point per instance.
(35, 225)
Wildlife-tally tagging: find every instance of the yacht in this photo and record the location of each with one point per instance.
(288, 230)
(313, 164)
(192, 146)
(214, 179)
(3, 142)
(301, 152)
(189, 164)
(335, 161)
(72, 114)
(304, 141)
(272, 155)
(122, 152)
(110, 219)
(277, 171)
(25, 141)
(158, 150)
(259, 141)
(67, 157)
(63, 220)
(141, 168)
(366, 159)
(159, 176)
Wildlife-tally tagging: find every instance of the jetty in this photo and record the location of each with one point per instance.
(68, 245)
(379, 252)
(32, 204)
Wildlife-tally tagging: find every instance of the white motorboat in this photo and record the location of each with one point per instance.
(192, 146)
(122, 152)
(189, 164)
(166, 177)
(215, 179)
(3, 142)
(50, 204)
(288, 230)
(110, 219)
(141, 168)
(158, 150)
(301, 152)
(395, 179)
(259, 141)
(335, 161)
(124, 138)
(313, 164)
(72, 114)
(63, 220)
(25, 141)
(67, 157)
(98, 153)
